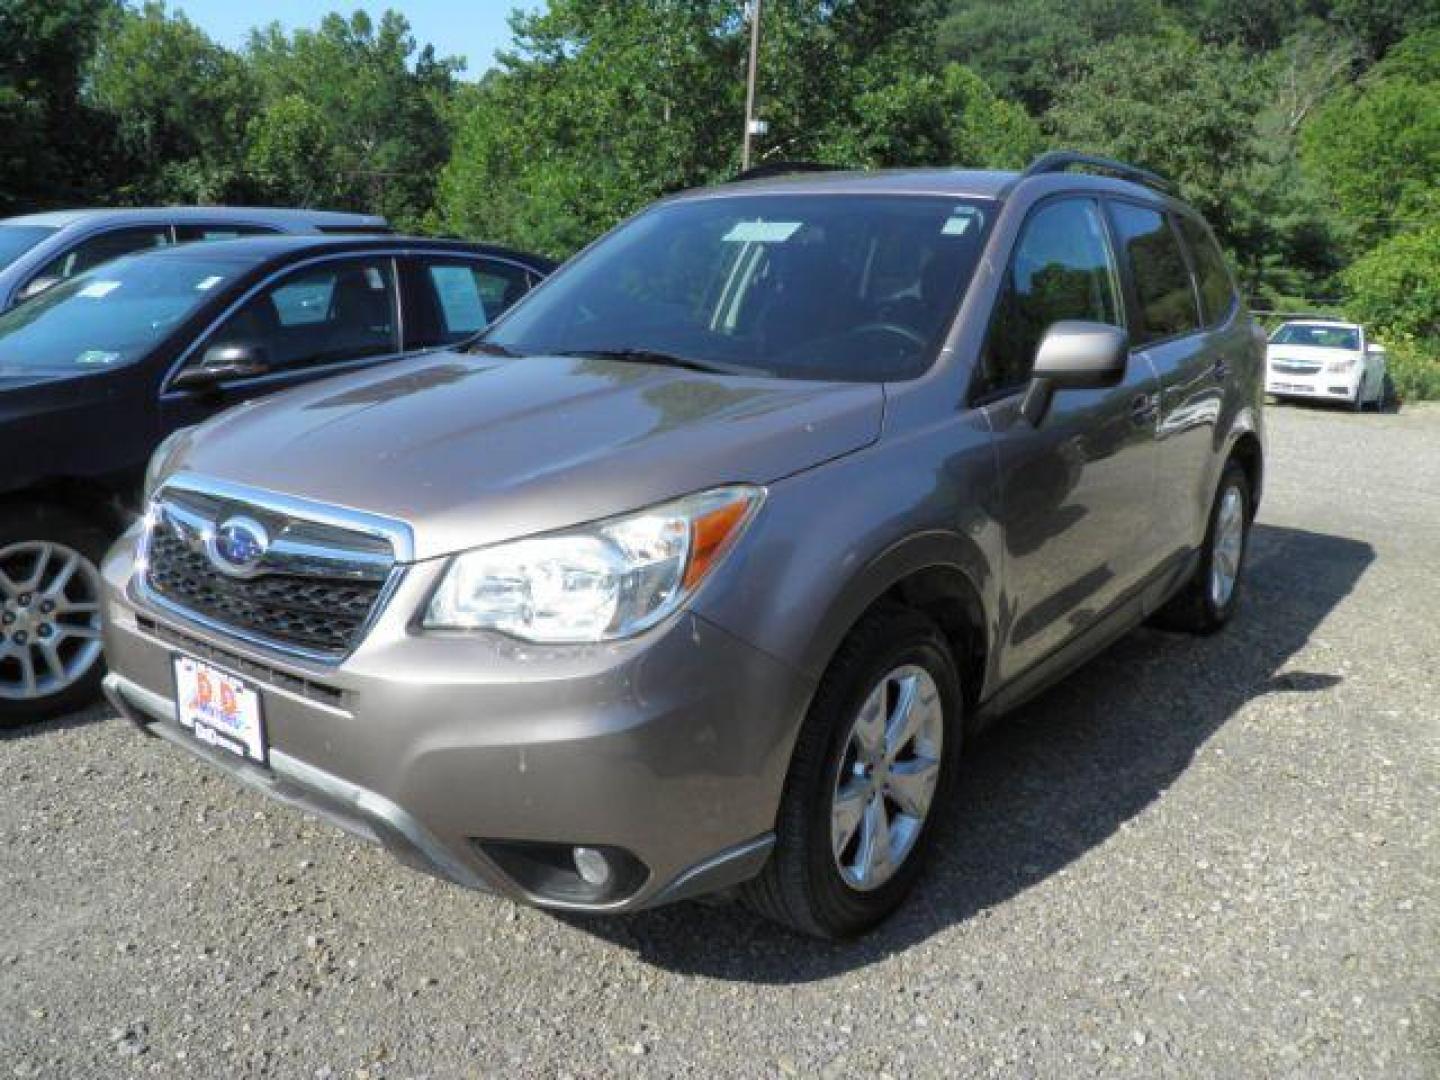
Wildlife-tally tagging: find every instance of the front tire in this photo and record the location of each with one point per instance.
(1210, 597)
(872, 768)
(50, 659)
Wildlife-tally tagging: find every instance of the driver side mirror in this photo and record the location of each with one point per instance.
(38, 286)
(222, 364)
(1074, 355)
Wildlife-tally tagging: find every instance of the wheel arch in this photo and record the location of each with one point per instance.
(937, 573)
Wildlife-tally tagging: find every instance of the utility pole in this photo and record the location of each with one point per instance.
(753, 126)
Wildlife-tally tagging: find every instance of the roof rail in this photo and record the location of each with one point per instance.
(1058, 161)
(782, 168)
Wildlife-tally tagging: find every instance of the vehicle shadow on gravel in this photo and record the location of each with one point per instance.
(1056, 778)
(29, 729)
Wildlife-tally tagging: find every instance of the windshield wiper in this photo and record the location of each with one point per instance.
(652, 356)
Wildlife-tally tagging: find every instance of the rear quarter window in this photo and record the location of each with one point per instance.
(1217, 291)
(1161, 277)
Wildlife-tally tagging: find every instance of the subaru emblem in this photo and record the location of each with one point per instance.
(238, 545)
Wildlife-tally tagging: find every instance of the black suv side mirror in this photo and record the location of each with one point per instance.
(1074, 355)
(223, 363)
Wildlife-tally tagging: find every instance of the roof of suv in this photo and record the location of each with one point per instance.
(320, 219)
(970, 183)
(255, 249)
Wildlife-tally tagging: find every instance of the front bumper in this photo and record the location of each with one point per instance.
(672, 747)
(1321, 386)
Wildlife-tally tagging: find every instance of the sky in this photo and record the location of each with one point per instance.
(473, 29)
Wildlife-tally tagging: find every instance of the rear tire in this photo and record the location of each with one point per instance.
(50, 660)
(857, 790)
(1210, 597)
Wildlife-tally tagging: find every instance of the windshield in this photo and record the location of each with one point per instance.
(850, 287)
(111, 316)
(1324, 337)
(15, 240)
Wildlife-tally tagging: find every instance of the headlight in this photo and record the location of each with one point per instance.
(598, 582)
(1339, 367)
(155, 470)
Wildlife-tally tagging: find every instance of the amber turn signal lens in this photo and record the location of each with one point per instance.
(711, 533)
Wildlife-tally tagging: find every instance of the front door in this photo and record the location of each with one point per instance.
(317, 320)
(1076, 491)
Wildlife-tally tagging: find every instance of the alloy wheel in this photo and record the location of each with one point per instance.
(1229, 544)
(49, 619)
(887, 777)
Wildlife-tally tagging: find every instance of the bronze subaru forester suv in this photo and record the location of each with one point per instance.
(699, 570)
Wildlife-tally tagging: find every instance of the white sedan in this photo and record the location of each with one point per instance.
(1325, 360)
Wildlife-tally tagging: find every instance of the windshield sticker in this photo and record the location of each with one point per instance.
(98, 290)
(761, 232)
(373, 278)
(959, 221)
(209, 283)
(97, 357)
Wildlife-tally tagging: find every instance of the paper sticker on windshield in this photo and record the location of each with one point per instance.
(98, 290)
(98, 357)
(209, 283)
(373, 278)
(762, 232)
(960, 221)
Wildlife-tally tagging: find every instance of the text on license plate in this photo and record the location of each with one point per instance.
(219, 709)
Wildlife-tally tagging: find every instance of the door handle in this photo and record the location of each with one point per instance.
(1142, 408)
(1221, 368)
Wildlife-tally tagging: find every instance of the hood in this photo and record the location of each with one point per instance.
(472, 450)
(1309, 354)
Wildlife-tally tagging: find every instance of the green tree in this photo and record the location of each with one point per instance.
(1396, 286)
(1182, 108)
(1029, 50)
(1376, 147)
(179, 101)
(604, 106)
(55, 149)
(353, 116)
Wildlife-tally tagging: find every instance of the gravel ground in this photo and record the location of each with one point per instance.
(1195, 857)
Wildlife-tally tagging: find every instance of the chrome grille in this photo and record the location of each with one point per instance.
(315, 589)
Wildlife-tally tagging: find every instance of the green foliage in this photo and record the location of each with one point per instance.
(1396, 286)
(178, 99)
(1376, 147)
(1030, 50)
(1174, 105)
(604, 106)
(54, 148)
(1414, 366)
(354, 116)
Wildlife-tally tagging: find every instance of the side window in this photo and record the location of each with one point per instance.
(325, 314)
(1157, 267)
(1061, 268)
(188, 234)
(1217, 294)
(467, 295)
(101, 249)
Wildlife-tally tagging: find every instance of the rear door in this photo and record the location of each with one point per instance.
(1077, 506)
(1190, 359)
(450, 297)
(337, 314)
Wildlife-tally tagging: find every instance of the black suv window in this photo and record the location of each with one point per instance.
(1061, 269)
(1217, 294)
(101, 249)
(187, 234)
(464, 296)
(330, 313)
(1157, 267)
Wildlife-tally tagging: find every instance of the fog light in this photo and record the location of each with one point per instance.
(593, 866)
